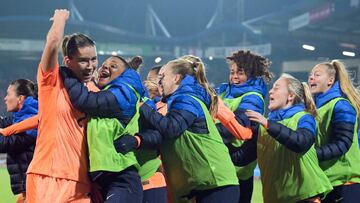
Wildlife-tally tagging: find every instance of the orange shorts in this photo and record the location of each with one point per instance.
(155, 181)
(46, 189)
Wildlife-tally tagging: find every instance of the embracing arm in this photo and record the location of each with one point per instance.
(15, 142)
(102, 103)
(170, 126)
(27, 124)
(231, 125)
(246, 153)
(299, 140)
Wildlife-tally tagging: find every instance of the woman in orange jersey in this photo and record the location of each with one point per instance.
(59, 169)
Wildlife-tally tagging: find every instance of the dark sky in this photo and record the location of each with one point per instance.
(180, 17)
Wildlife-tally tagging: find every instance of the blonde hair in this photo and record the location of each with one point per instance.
(302, 93)
(150, 85)
(337, 69)
(192, 65)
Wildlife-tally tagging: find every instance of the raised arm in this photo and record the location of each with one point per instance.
(49, 58)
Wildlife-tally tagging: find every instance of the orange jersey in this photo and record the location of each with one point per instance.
(61, 148)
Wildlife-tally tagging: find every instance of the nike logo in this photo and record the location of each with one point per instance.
(338, 200)
(109, 196)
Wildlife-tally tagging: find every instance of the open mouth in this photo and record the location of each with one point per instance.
(87, 75)
(104, 74)
(312, 85)
(271, 99)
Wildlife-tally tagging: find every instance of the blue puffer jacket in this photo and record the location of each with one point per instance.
(184, 113)
(29, 109)
(19, 147)
(250, 102)
(307, 121)
(125, 96)
(298, 141)
(116, 102)
(342, 123)
(180, 99)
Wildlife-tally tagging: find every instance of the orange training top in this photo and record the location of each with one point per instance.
(61, 148)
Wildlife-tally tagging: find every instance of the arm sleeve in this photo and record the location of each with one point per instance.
(246, 153)
(102, 104)
(150, 139)
(27, 124)
(170, 126)
(15, 143)
(342, 133)
(231, 126)
(226, 135)
(252, 102)
(298, 141)
(5, 122)
(339, 143)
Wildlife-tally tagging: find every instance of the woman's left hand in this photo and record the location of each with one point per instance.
(257, 117)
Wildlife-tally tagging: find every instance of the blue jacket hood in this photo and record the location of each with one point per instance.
(333, 92)
(29, 109)
(282, 114)
(235, 90)
(130, 77)
(189, 86)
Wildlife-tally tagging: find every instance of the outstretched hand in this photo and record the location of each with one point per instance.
(257, 117)
(1, 130)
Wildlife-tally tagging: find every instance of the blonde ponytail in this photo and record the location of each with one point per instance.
(302, 93)
(338, 70)
(202, 80)
(308, 100)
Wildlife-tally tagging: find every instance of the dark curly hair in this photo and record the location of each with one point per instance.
(253, 64)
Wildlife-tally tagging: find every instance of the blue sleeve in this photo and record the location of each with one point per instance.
(344, 112)
(226, 135)
(150, 139)
(246, 153)
(16, 142)
(252, 102)
(187, 103)
(170, 126)
(299, 140)
(102, 104)
(308, 122)
(5, 121)
(126, 99)
(151, 103)
(342, 132)
(340, 141)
